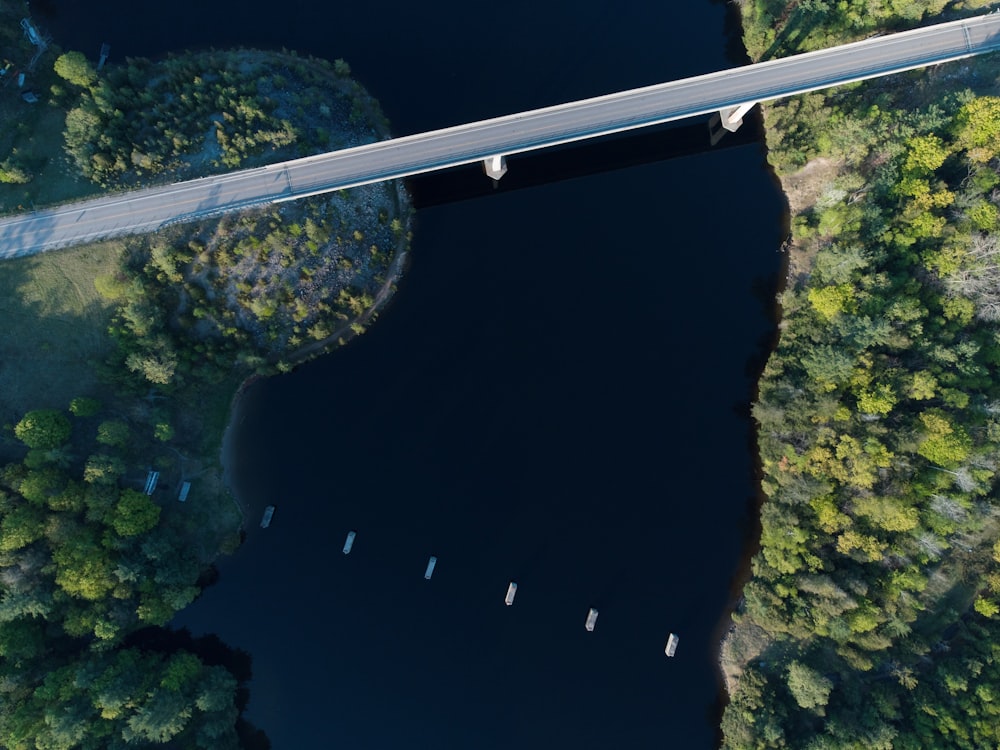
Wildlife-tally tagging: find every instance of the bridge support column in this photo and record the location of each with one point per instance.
(727, 120)
(495, 166)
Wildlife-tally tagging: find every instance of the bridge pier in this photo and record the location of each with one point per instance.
(727, 120)
(495, 166)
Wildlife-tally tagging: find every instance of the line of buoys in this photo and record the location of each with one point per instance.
(590, 623)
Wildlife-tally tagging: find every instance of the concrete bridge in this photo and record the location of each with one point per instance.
(728, 95)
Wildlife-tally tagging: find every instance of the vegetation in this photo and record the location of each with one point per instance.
(252, 291)
(121, 359)
(33, 168)
(871, 618)
(776, 28)
(84, 561)
(212, 111)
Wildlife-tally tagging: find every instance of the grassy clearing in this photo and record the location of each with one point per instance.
(54, 334)
(53, 347)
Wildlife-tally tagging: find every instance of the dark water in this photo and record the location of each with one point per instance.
(556, 395)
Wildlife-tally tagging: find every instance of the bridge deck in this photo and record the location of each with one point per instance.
(149, 209)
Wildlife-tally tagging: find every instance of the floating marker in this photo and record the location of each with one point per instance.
(671, 645)
(349, 542)
(591, 619)
(430, 567)
(511, 591)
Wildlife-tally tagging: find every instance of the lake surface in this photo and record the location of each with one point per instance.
(557, 395)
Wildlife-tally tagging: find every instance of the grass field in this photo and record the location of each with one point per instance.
(54, 332)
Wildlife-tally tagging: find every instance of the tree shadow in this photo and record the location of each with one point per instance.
(799, 26)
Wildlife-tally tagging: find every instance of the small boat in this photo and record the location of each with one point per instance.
(430, 567)
(511, 591)
(266, 520)
(349, 542)
(591, 619)
(671, 645)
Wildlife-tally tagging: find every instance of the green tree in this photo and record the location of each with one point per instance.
(887, 513)
(922, 386)
(76, 69)
(83, 568)
(828, 366)
(20, 527)
(977, 128)
(113, 432)
(878, 400)
(135, 513)
(809, 688)
(830, 301)
(944, 444)
(43, 429)
(984, 216)
(986, 607)
(13, 174)
(157, 368)
(926, 154)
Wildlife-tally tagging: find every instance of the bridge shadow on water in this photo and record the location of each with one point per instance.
(533, 168)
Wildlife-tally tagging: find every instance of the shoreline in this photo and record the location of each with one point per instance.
(344, 334)
(727, 626)
(227, 451)
(339, 338)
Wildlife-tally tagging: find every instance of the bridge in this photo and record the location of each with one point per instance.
(727, 95)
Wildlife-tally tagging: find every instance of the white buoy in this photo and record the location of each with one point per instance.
(511, 591)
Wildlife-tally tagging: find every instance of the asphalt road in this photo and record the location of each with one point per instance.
(148, 209)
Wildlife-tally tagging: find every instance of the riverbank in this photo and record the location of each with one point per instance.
(744, 641)
(876, 574)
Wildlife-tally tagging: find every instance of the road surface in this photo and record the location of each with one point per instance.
(149, 209)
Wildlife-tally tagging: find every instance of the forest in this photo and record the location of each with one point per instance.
(871, 615)
(86, 561)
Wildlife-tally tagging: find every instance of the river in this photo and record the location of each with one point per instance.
(558, 395)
